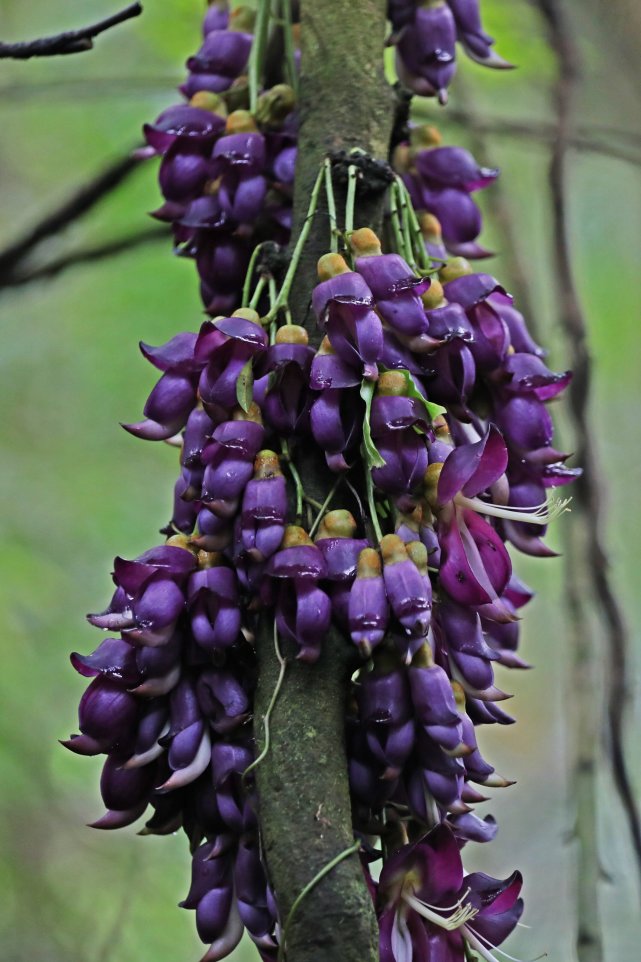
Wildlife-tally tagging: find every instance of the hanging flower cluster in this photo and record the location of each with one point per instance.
(427, 398)
(425, 33)
(227, 172)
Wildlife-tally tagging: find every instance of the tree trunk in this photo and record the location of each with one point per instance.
(303, 790)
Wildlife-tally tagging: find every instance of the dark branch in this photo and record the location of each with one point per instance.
(501, 214)
(88, 256)
(589, 487)
(72, 41)
(584, 139)
(87, 195)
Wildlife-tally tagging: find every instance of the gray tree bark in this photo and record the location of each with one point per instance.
(302, 783)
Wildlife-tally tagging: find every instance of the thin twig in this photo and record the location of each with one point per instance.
(326, 869)
(87, 256)
(72, 41)
(266, 717)
(589, 487)
(501, 213)
(79, 203)
(584, 139)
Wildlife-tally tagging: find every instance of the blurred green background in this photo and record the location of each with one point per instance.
(76, 490)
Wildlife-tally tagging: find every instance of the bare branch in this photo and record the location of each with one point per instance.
(501, 214)
(72, 41)
(79, 203)
(589, 487)
(584, 139)
(88, 255)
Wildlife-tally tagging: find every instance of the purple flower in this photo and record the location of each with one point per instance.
(224, 347)
(185, 123)
(433, 700)
(368, 606)
(477, 43)
(107, 716)
(223, 55)
(426, 51)
(343, 304)
(429, 909)
(188, 740)
(395, 288)
(229, 461)
(283, 389)
(303, 610)
(339, 547)
(407, 583)
(174, 396)
(398, 425)
(264, 508)
(212, 896)
(385, 713)
(149, 595)
(212, 596)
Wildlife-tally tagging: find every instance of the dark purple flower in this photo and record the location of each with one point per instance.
(283, 389)
(343, 304)
(395, 288)
(339, 547)
(212, 596)
(385, 714)
(477, 43)
(229, 461)
(107, 717)
(212, 896)
(368, 605)
(149, 594)
(188, 740)
(426, 51)
(303, 610)
(224, 347)
(174, 396)
(407, 583)
(264, 508)
(429, 909)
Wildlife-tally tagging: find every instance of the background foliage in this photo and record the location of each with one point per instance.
(75, 489)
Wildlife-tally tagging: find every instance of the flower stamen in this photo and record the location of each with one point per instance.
(478, 942)
(541, 514)
(459, 917)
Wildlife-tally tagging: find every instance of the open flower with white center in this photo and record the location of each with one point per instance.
(476, 566)
(428, 909)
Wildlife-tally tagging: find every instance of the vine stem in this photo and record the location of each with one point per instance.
(257, 292)
(250, 273)
(308, 888)
(369, 484)
(300, 493)
(352, 174)
(395, 220)
(403, 213)
(323, 508)
(283, 294)
(290, 53)
(331, 206)
(414, 228)
(266, 717)
(258, 50)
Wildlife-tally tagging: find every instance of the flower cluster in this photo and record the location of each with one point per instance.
(227, 175)
(425, 33)
(426, 398)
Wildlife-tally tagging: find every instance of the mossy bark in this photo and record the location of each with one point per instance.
(303, 790)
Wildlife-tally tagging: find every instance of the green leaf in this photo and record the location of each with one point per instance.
(433, 409)
(374, 458)
(245, 386)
